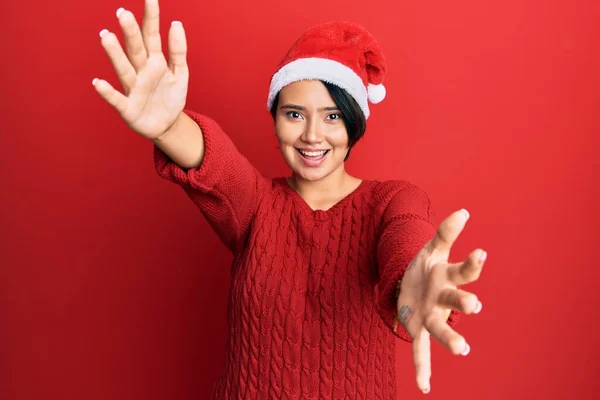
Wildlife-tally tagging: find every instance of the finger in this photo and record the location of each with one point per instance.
(422, 360)
(134, 43)
(121, 64)
(112, 96)
(469, 270)
(150, 27)
(448, 232)
(177, 48)
(459, 300)
(448, 337)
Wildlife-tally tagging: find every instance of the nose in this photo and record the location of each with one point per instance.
(313, 132)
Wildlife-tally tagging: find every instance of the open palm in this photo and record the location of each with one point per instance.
(154, 91)
(429, 292)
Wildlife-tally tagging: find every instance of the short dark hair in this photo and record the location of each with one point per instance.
(352, 115)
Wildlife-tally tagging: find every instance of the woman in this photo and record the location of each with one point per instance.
(325, 264)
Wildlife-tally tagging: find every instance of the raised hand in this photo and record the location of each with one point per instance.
(154, 91)
(429, 292)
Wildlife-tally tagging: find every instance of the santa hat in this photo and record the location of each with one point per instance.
(341, 53)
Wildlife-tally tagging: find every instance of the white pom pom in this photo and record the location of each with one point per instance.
(376, 93)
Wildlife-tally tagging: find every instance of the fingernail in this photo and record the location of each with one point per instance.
(119, 11)
(466, 213)
(103, 32)
(483, 257)
(94, 81)
(426, 390)
(466, 350)
(176, 23)
(478, 308)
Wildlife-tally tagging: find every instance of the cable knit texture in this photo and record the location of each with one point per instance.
(312, 297)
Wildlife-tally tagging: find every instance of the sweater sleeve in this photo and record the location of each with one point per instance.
(225, 187)
(406, 228)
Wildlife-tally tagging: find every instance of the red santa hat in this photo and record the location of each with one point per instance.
(341, 53)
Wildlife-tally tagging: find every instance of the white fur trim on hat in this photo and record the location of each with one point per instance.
(322, 69)
(376, 93)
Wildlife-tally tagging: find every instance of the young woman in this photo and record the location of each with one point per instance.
(325, 264)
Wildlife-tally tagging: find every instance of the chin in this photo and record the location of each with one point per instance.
(310, 175)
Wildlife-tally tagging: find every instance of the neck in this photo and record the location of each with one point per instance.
(331, 185)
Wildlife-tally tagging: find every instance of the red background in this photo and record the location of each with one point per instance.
(113, 286)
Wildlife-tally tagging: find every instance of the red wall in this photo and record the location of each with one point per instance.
(112, 285)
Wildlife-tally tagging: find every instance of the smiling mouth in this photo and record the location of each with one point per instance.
(313, 155)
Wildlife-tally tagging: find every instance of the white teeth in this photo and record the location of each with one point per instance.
(313, 153)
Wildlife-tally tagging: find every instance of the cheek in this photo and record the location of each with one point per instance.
(285, 142)
(339, 138)
(286, 134)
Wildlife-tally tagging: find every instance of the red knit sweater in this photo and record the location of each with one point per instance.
(312, 297)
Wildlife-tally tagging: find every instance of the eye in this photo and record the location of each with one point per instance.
(293, 114)
(335, 116)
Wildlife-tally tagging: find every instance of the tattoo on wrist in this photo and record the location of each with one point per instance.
(404, 314)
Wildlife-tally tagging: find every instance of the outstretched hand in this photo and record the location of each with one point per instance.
(154, 91)
(429, 292)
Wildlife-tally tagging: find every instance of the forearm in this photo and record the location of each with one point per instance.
(183, 142)
(224, 184)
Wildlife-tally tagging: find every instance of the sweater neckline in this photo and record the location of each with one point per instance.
(304, 207)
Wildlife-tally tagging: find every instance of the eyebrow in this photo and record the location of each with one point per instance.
(300, 108)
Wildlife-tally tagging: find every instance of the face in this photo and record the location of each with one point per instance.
(311, 133)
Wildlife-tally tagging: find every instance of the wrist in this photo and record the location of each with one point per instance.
(170, 129)
(396, 315)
